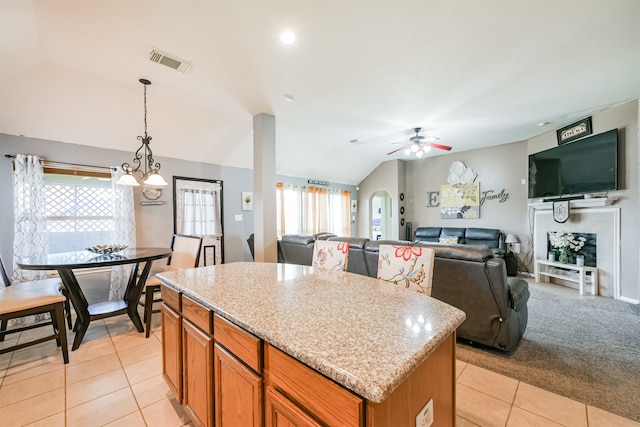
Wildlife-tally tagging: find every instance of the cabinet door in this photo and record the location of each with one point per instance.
(172, 350)
(238, 393)
(197, 354)
(281, 412)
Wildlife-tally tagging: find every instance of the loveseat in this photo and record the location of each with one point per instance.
(492, 238)
(465, 276)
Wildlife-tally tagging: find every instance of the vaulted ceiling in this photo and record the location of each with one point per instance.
(472, 73)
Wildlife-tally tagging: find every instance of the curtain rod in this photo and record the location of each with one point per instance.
(53, 163)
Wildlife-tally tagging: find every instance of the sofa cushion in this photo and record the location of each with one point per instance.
(298, 239)
(489, 237)
(448, 240)
(449, 232)
(459, 251)
(427, 234)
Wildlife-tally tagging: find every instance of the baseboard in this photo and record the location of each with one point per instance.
(630, 300)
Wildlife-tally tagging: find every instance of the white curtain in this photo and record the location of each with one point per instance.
(30, 234)
(198, 213)
(124, 218)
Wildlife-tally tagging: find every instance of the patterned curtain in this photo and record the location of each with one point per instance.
(124, 217)
(30, 234)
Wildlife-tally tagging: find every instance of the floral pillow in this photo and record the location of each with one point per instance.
(330, 255)
(448, 240)
(407, 266)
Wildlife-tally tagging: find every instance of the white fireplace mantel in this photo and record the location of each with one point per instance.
(595, 202)
(595, 215)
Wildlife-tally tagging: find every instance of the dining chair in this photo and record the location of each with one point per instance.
(408, 266)
(31, 298)
(186, 254)
(330, 255)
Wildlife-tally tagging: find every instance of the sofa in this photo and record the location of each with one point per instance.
(492, 238)
(465, 276)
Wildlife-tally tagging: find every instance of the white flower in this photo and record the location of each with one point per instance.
(566, 240)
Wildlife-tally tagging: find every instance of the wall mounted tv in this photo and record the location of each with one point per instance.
(588, 165)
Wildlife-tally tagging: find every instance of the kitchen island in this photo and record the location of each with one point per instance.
(281, 344)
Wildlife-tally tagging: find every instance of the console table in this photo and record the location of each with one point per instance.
(542, 269)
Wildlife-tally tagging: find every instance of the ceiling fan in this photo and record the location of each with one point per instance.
(419, 145)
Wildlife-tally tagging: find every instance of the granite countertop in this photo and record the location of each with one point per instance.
(364, 334)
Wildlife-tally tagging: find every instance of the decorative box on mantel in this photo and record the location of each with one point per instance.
(594, 215)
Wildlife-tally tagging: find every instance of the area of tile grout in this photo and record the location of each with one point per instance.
(115, 379)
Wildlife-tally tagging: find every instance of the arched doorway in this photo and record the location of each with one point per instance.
(380, 216)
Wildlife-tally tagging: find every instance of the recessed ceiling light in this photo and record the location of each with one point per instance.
(289, 98)
(543, 123)
(287, 37)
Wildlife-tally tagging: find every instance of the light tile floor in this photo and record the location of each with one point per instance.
(114, 379)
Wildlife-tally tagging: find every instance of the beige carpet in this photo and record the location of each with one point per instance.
(585, 348)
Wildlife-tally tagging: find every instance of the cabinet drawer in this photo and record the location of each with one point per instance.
(170, 297)
(197, 314)
(327, 400)
(245, 346)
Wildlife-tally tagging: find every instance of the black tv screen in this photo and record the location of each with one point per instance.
(588, 165)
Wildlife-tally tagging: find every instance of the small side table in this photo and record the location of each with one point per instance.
(542, 270)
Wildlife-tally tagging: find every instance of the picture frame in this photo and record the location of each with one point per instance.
(247, 201)
(574, 131)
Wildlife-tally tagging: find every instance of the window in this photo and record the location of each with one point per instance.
(78, 209)
(309, 210)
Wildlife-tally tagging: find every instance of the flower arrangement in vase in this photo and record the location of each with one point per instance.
(565, 242)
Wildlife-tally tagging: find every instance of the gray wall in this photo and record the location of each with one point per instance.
(625, 119)
(154, 224)
(505, 167)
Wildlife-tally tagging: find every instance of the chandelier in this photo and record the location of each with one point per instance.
(146, 167)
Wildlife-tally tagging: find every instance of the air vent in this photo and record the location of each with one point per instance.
(169, 60)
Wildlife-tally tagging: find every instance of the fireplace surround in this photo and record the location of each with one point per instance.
(596, 217)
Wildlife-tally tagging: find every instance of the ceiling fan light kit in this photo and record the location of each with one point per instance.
(419, 145)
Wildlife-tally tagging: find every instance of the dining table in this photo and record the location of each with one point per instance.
(66, 262)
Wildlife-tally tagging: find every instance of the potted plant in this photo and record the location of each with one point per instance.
(565, 242)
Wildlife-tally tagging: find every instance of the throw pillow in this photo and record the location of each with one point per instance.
(448, 240)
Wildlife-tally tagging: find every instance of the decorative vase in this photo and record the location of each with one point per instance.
(563, 256)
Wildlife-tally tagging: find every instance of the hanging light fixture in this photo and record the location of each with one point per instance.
(145, 166)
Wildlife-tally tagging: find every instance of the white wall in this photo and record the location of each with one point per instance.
(386, 177)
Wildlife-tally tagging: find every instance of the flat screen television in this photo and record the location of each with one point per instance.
(588, 165)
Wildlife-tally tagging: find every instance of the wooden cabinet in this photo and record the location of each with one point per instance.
(315, 394)
(172, 350)
(281, 412)
(227, 377)
(197, 350)
(238, 392)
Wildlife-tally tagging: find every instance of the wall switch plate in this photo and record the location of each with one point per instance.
(425, 417)
(523, 181)
(238, 217)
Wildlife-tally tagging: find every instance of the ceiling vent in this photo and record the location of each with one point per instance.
(169, 60)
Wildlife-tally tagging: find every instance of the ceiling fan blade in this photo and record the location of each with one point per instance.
(440, 147)
(396, 150)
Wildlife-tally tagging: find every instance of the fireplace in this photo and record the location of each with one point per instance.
(599, 223)
(589, 250)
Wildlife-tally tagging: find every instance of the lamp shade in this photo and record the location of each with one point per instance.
(155, 180)
(511, 238)
(127, 179)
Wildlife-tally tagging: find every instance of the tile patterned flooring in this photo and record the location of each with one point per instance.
(114, 379)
